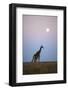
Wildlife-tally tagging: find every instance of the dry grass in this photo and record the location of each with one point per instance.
(39, 68)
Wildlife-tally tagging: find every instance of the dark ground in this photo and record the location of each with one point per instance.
(39, 68)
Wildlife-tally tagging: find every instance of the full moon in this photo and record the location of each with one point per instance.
(47, 29)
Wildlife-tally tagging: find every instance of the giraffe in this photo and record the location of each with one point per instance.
(36, 56)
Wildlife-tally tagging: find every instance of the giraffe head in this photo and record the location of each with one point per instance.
(41, 46)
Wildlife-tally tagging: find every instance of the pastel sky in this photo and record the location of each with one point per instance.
(37, 31)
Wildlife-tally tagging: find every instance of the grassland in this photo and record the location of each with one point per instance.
(39, 68)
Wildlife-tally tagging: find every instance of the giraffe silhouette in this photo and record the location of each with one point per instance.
(36, 56)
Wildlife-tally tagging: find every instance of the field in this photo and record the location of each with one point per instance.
(39, 68)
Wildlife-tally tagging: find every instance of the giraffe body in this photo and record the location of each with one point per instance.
(36, 56)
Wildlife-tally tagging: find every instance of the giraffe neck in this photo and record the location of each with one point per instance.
(40, 49)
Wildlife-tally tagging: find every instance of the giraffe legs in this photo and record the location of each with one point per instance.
(38, 59)
(35, 59)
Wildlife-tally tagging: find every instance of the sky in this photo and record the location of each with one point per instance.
(40, 30)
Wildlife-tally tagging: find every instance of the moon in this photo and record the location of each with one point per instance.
(47, 30)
